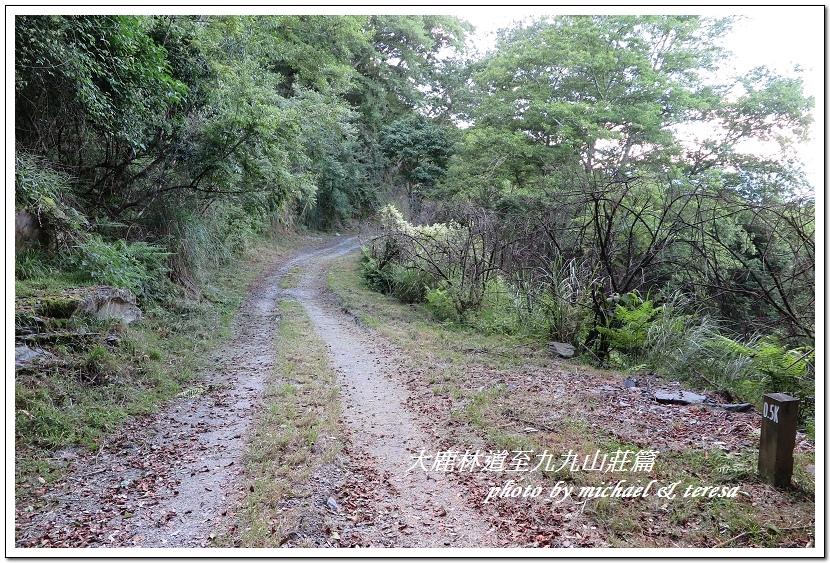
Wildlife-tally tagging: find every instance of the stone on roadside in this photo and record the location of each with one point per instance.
(679, 397)
(110, 303)
(24, 355)
(740, 407)
(561, 349)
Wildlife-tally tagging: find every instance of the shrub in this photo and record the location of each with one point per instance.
(378, 278)
(502, 310)
(138, 266)
(441, 304)
(769, 367)
(410, 284)
(403, 281)
(629, 324)
(684, 342)
(440, 253)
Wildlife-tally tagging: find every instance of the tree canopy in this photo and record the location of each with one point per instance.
(618, 143)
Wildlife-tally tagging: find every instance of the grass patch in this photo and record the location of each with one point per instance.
(291, 277)
(505, 393)
(295, 433)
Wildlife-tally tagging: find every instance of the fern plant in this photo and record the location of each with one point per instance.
(630, 322)
(137, 266)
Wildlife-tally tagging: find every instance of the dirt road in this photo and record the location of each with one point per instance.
(423, 509)
(172, 479)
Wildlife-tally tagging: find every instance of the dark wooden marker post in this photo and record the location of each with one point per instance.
(775, 457)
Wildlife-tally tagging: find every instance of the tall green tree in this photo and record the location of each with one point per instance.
(600, 91)
(228, 122)
(581, 139)
(92, 93)
(419, 151)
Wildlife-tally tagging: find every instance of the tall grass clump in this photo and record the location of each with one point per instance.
(563, 296)
(685, 343)
(201, 241)
(47, 192)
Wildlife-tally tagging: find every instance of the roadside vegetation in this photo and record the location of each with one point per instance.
(102, 371)
(498, 390)
(573, 209)
(463, 277)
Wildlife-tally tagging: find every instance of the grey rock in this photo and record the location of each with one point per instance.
(561, 349)
(740, 407)
(332, 504)
(110, 302)
(628, 382)
(679, 397)
(27, 229)
(605, 389)
(24, 355)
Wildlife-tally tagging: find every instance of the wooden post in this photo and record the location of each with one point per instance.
(775, 456)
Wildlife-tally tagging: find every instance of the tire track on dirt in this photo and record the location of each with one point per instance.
(429, 510)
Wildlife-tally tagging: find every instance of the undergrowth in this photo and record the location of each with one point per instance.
(494, 381)
(668, 334)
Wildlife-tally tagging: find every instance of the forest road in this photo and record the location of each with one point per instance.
(414, 508)
(172, 479)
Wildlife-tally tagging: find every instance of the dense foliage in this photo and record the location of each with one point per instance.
(591, 179)
(194, 133)
(577, 204)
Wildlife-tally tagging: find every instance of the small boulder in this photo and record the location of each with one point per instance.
(679, 397)
(28, 231)
(23, 355)
(740, 407)
(110, 302)
(561, 349)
